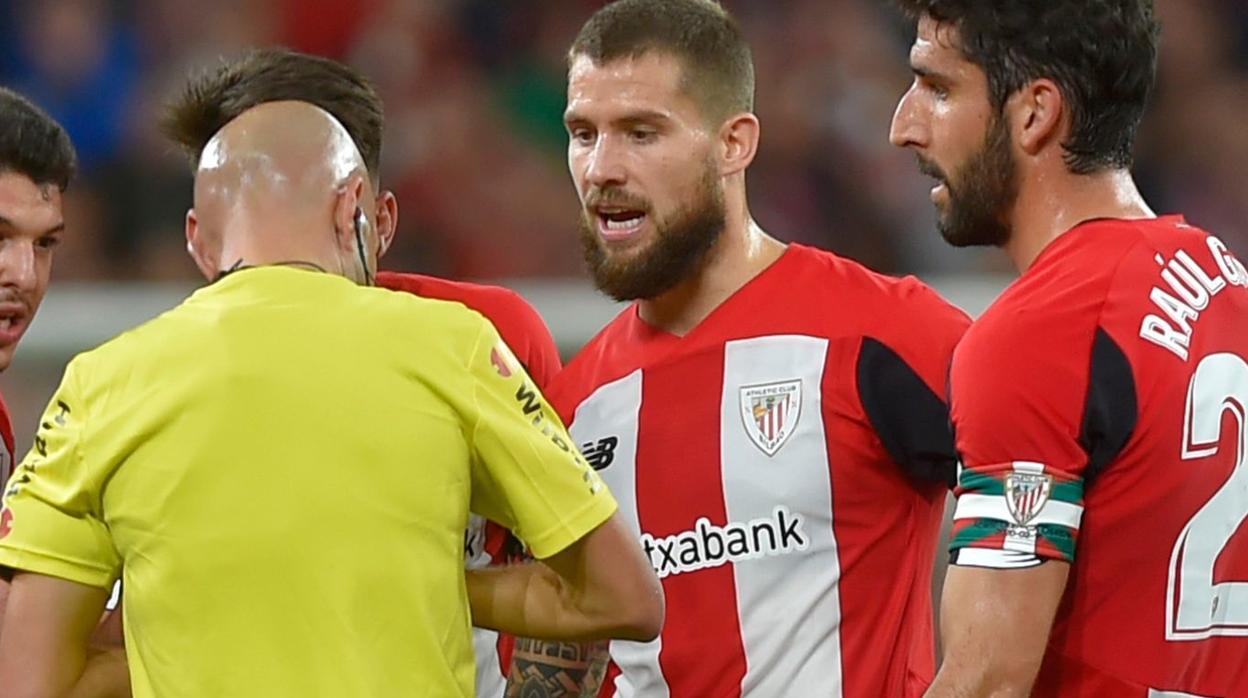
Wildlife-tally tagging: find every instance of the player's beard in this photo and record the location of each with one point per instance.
(981, 193)
(679, 248)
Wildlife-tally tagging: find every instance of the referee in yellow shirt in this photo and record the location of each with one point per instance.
(284, 464)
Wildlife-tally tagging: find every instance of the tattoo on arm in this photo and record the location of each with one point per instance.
(597, 671)
(541, 669)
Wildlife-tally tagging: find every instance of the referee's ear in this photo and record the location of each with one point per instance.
(350, 200)
(205, 256)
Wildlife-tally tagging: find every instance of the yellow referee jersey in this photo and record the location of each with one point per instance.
(283, 468)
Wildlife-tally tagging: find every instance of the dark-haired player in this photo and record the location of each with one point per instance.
(1099, 404)
(37, 162)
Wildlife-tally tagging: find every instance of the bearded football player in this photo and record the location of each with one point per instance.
(1099, 403)
(769, 415)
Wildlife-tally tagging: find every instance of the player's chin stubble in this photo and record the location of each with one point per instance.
(981, 193)
(679, 249)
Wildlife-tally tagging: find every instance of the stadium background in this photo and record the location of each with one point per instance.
(475, 147)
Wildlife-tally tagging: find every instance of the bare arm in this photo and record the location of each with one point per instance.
(109, 633)
(542, 669)
(598, 588)
(108, 673)
(44, 640)
(4, 600)
(995, 626)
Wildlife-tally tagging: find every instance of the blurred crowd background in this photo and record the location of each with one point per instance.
(474, 90)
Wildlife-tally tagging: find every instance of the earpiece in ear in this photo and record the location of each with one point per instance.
(360, 222)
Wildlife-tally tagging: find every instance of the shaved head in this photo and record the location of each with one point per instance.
(282, 159)
(283, 182)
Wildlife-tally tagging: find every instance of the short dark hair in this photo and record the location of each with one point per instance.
(1101, 53)
(718, 66)
(33, 144)
(217, 97)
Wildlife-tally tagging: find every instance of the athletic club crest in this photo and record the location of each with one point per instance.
(1026, 494)
(770, 413)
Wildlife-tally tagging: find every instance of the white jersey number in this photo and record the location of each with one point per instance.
(1197, 607)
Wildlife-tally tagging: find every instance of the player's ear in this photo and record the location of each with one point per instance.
(1037, 116)
(204, 256)
(387, 220)
(738, 142)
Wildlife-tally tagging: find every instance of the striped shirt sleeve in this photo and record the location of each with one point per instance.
(1026, 510)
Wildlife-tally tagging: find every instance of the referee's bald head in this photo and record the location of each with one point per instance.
(269, 180)
(276, 159)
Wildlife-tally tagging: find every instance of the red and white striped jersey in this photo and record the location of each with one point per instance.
(784, 466)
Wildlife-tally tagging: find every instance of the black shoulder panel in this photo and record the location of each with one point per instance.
(911, 420)
(1111, 410)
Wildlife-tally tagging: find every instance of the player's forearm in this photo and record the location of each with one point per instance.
(978, 682)
(995, 627)
(542, 669)
(4, 600)
(530, 600)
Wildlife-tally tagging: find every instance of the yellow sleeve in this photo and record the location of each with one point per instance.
(527, 473)
(51, 521)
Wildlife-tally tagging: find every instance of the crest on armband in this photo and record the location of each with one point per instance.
(1026, 495)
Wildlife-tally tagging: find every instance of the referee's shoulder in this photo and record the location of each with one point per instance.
(147, 342)
(431, 318)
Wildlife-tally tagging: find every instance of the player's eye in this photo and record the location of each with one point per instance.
(48, 242)
(582, 136)
(642, 135)
(940, 90)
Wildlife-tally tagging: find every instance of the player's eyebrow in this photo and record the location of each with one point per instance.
(59, 227)
(641, 116)
(928, 73)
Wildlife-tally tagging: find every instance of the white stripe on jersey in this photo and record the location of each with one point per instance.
(490, 680)
(614, 410)
(988, 506)
(790, 610)
(1154, 693)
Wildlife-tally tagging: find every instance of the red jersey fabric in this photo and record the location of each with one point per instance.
(1099, 407)
(6, 457)
(518, 323)
(784, 465)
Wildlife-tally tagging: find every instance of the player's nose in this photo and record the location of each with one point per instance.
(907, 129)
(18, 265)
(605, 165)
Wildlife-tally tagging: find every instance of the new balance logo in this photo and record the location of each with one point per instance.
(708, 545)
(602, 454)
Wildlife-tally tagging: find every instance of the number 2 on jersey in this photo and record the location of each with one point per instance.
(1197, 607)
